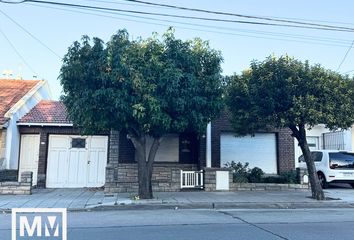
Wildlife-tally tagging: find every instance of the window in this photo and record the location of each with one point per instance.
(78, 143)
(341, 160)
(312, 142)
(316, 156)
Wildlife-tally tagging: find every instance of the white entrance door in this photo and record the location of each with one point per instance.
(76, 161)
(258, 150)
(29, 153)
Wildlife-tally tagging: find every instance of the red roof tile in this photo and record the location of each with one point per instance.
(11, 91)
(47, 111)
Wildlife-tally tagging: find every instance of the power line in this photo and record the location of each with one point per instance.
(345, 56)
(30, 34)
(18, 53)
(237, 15)
(348, 71)
(306, 37)
(340, 29)
(311, 41)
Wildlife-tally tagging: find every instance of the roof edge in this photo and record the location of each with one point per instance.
(20, 102)
(46, 124)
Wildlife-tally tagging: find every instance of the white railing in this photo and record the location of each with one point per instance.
(192, 179)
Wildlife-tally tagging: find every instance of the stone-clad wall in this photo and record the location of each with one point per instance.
(166, 177)
(18, 188)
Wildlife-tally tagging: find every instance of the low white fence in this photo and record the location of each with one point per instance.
(192, 179)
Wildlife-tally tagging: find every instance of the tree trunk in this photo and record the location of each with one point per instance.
(145, 165)
(316, 189)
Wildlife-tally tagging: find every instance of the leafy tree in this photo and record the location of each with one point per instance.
(146, 87)
(284, 92)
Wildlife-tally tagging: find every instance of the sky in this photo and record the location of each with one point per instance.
(55, 28)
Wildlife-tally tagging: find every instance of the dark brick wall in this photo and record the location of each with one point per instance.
(126, 149)
(43, 145)
(286, 151)
(285, 144)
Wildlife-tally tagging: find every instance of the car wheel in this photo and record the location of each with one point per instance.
(322, 179)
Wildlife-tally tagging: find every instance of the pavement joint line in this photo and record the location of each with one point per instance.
(82, 192)
(254, 225)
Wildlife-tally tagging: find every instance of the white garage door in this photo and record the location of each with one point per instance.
(258, 151)
(76, 161)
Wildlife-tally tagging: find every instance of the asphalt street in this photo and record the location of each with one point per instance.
(206, 224)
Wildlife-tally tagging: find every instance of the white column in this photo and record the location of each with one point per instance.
(208, 145)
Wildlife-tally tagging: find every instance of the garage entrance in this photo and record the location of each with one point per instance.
(76, 161)
(258, 150)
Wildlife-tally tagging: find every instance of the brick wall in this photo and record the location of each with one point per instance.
(166, 177)
(285, 144)
(2, 147)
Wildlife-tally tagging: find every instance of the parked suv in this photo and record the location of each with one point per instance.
(332, 166)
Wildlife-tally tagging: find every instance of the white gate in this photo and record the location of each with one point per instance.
(192, 179)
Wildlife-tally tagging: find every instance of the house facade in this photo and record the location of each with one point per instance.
(272, 151)
(60, 157)
(17, 97)
(57, 154)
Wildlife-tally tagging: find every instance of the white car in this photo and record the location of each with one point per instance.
(332, 166)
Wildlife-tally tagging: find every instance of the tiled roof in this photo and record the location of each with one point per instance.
(47, 111)
(11, 91)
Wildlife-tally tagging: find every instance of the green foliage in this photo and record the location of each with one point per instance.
(240, 171)
(288, 177)
(243, 174)
(284, 92)
(145, 86)
(255, 175)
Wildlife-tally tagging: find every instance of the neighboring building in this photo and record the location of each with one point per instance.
(321, 138)
(17, 97)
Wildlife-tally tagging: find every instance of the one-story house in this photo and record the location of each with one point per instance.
(56, 153)
(17, 97)
(67, 159)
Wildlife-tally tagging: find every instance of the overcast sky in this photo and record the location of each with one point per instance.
(239, 43)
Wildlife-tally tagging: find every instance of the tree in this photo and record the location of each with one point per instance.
(284, 92)
(146, 87)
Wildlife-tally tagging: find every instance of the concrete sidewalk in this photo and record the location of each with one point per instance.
(93, 199)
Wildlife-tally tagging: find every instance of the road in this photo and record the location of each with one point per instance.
(261, 224)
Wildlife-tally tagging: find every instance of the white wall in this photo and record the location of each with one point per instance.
(12, 133)
(317, 131)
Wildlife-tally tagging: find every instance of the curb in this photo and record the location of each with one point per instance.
(216, 206)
